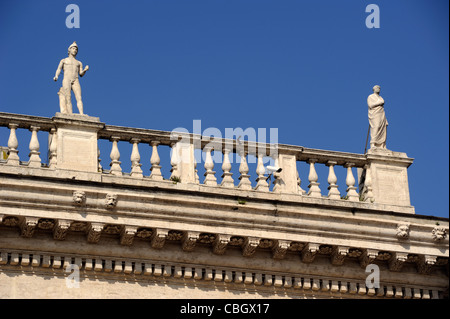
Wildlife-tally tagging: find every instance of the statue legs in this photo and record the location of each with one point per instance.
(62, 101)
(77, 92)
(65, 101)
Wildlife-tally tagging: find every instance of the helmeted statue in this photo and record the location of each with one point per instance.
(72, 68)
(377, 119)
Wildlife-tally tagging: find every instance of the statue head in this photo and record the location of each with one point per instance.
(376, 89)
(73, 48)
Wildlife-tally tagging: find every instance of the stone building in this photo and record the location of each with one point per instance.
(70, 228)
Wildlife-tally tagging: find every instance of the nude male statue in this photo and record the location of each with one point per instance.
(72, 68)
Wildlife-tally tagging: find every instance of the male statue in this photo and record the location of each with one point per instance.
(377, 119)
(72, 68)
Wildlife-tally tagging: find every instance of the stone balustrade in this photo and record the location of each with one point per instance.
(73, 145)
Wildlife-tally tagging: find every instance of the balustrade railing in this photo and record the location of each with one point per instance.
(190, 154)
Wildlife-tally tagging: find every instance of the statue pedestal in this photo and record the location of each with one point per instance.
(389, 176)
(76, 141)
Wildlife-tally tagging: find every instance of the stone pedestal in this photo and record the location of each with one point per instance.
(186, 166)
(288, 176)
(388, 175)
(76, 140)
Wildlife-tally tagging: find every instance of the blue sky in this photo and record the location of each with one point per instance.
(304, 67)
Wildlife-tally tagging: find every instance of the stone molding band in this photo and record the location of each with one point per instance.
(190, 274)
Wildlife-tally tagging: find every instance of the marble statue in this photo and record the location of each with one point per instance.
(377, 119)
(72, 68)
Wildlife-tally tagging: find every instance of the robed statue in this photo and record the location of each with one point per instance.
(377, 119)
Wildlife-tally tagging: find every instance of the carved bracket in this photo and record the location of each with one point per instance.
(309, 252)
(249, 247)
(94, 232)
(425, 264)
(28, 226)
(338, 255)
(61, 228)
(189, 239)
(159, 237)
(280, 248)
(220, 244)
(397, 260)
(367, 257)
(127, 235)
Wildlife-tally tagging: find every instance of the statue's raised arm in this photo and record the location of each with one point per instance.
(71, 68)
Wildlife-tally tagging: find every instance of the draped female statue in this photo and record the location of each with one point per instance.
(377, 119)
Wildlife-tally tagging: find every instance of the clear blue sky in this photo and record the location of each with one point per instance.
(304, 67)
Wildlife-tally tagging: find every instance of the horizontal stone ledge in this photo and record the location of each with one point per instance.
(166, 185)
(26, 121)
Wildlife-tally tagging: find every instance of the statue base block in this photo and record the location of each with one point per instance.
(388, 171)
(76, 138)
(77, 117)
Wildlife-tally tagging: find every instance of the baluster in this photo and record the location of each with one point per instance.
(115, 157)
(352, 195)
(244, 178)
(35, 160)
(210, 179)
(52, 148)
(174, 161)
(277, 187)
(368, 185)
(299, 183)
(13, 144)
(155, 160)
(227, 180)
(262, 184)
(99, 167)
(333, 191)
(197, 179)
(314, 190)
(135, 159)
